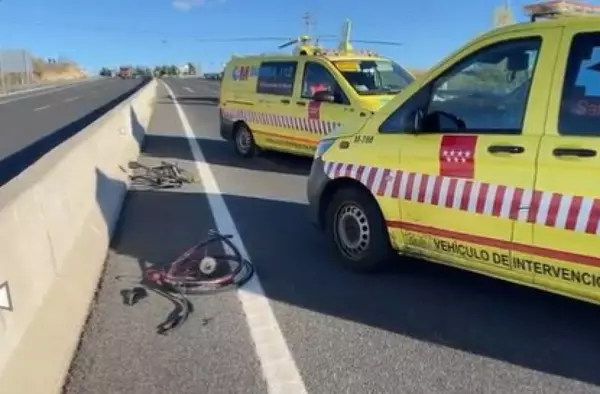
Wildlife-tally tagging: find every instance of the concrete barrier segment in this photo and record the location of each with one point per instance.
(56, 222)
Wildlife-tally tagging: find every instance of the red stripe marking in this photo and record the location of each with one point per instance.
(515, 206)
(397, 180)
(338, 169)
(498, 200)
(371, 177)
(409, 186)
(359, 172)
(437, 187)
(498, 243)
(383, 183)
(423, 188)
(349, 168)
(466, 195)
(573, 212)
(482, 197)
(451, 191)
(553, 209)
(594, 218)
(534, 207)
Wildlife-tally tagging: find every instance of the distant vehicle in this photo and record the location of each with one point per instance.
(287, 102)
(126, 72)
(213, 76)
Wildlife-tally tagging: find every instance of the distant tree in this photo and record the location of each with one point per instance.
(191, 69)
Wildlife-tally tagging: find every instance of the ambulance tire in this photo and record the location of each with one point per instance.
(243, 141)
(352, 204)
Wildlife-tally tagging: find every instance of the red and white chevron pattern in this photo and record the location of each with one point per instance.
(318, 127)
(563, 211)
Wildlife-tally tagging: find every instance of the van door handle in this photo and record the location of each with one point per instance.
(285, 101)
(513, 149)
(302, 103)
(574, 152)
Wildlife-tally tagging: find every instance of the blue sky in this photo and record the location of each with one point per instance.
(113, 32)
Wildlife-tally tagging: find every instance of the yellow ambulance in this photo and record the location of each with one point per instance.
(488, 163)
(289, 102)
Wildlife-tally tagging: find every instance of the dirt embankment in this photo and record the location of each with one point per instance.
(59, 71)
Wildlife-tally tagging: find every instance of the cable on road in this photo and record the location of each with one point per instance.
(196, 272)
(164, 176)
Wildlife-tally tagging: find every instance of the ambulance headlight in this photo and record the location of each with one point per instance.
(323, 146)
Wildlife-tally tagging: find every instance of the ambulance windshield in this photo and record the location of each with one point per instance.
(373, 77)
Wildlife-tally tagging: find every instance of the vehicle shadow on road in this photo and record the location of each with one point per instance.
(426, 302)
(221, 153)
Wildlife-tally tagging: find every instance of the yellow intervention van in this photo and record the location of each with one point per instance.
(489, 163)
(289, 102)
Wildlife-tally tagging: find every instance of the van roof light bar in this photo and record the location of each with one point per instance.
(556, 8)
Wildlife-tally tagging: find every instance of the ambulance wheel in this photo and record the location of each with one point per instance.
(243, 141)
(356, 228)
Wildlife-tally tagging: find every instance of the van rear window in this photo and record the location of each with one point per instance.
(276, 78)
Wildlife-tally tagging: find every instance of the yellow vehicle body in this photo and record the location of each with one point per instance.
(488, 163)
(273, 98)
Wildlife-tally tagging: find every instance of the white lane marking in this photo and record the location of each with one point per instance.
(188, 89)
(71, 99)
(43, 92)
(42, 108)
(279, 368)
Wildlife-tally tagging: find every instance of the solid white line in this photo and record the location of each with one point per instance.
(42, 108)
(278, 366)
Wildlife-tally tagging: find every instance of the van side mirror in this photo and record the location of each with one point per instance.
(324, 96)
(417, 121)
(518, 62)
(435, 122)
(440, 121)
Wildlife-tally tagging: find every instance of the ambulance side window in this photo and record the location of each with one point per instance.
(485, 92)
(276, 78)
(317, 78)
(580, 103)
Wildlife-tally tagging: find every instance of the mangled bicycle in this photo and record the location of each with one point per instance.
(198, 271)
(164, 176)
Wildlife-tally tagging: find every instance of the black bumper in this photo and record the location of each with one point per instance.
(315, 186)
(226, 127)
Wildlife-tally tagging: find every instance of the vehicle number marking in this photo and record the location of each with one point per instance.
(363, 139)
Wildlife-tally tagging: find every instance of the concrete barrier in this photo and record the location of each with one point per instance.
(56, 221)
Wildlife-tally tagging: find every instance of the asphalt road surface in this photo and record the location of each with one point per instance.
(30, 116)
(420, 329)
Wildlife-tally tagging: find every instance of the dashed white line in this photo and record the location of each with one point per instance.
(22, 95)
(71, 99)
(42, 108)
(188, 89)
(278, 366)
